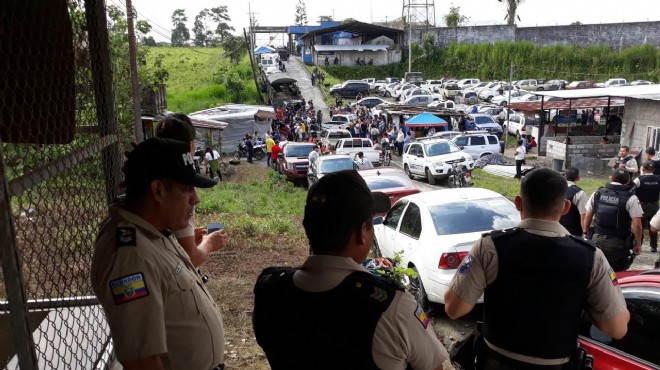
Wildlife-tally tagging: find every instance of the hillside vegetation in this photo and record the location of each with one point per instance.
(201, 77)
(492, 61)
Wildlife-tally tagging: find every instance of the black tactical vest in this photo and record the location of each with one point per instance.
(537, 277)
(649, 189)
(571, 221)
(619, 161)
(611, 217)
(327, 330)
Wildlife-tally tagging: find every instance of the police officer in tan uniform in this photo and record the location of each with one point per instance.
(536, 280)
(331, 313)
(160, 314)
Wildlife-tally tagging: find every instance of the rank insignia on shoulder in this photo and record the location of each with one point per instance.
(612, 276)
(129, 288)
(421, 316)
(126, 236)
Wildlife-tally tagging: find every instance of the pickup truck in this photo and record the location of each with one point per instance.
(294, 160)
(354, 145)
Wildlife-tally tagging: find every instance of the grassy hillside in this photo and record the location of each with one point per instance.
(492, 61)
(197, 78)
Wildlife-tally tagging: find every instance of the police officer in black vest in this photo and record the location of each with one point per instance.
(647, 189)
(650, 156)
(332, 313)
(536, 270)
(617, 217)
(573, 220)
(625, 161)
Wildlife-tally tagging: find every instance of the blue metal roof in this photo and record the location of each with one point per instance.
(306, 29)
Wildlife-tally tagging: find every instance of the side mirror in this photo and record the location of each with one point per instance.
(378, 220)
(461, 147)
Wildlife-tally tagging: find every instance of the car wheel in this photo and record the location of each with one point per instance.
(430, 177)
(375, 249)
(503, 103)
(387, 94)
(337, 95)
(540, 89)
(517, 134)
(407, 171)
(417, 290)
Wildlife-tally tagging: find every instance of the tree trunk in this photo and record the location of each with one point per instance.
(511, 12)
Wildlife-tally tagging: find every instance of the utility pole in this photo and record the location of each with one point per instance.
(135, 87)
(409, 46)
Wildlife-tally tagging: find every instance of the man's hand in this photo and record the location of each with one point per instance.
(637, 249)
(215, 241)
(199, 235)
(384, 262)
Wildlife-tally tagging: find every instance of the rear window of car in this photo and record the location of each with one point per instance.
(479, 120)
(477, 140)
(334, 165)
(492, 139)
(380, 182)
(298, 150)
(440, 148)
(339, 135)
(474, 216)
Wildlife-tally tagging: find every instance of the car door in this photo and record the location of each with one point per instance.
(477, 145)
(387, 235)
(416, 162)
(410, 229)
(638, 349)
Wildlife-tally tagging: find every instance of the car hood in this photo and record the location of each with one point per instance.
(450, 157)
(297, 160)
(488, 125)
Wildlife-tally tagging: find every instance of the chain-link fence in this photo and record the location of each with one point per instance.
(60, 166)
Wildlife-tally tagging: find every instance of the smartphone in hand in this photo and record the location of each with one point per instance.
(214, 226)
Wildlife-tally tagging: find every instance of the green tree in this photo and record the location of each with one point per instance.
(511, 11)
(220, 15)
(325, 18)
(234, 47)
(348, 20)
(301, 14)
(180, 33)
(149, 41)
(201, 31)
(228, 77)
(454, 18)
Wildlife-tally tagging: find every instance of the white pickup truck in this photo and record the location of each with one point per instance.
(355, 145)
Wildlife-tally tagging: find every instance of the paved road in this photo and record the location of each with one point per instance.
(296, 68)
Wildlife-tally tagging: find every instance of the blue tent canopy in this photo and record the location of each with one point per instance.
(426, 120)
(263, 50)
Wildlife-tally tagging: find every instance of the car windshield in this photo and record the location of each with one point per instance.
(339, 135)
(474, 216)
(334, 165)
(440, 148)
(298, 150)
(380, 182)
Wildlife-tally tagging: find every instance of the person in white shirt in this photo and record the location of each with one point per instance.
(361, 162)
(313, 156)
(399, 142)
(520, 158)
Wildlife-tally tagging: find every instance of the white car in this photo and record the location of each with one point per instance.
(526, 98)
(442, 104)
(516, 124)
(434, 231)
(478, 143)
(503, 99)
(432, 158)
(468, 82)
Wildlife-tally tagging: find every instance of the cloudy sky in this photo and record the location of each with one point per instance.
(481, 12)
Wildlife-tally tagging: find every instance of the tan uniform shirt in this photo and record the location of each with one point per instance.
(403, 335)
(580, 199)
(153, 298)
(604, 297)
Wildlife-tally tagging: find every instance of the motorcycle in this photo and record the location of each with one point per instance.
(459, 176)
(387, 155)
(241, 151)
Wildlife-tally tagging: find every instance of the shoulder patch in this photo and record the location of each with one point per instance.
(421, 316)
(129, 288)
(465, 265)
(612, 276)
(126, 236)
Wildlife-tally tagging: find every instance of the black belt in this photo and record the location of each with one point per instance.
(219, 367)
(497, 361)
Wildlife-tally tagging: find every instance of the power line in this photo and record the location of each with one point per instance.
(167, 36)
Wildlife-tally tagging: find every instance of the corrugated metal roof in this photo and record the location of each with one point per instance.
(532, 106)
(359, 29)
(360, 47)
(649, 92)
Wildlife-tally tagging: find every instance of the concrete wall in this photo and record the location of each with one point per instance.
(614, 35)
(640, 115)
(585, 147)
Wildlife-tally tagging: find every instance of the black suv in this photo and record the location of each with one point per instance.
(351, 89)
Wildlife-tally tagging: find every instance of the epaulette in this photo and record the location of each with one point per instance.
(274, 275)
(584, 242)
(125, 234)
(379, 289)
(499, 233)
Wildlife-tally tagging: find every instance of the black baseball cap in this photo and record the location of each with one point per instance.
(164, 158)
(342, 198)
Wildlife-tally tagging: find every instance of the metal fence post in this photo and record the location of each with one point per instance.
(11, 269)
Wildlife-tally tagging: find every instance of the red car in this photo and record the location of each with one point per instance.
(294, 160)
(640, 347)
(390, 181)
